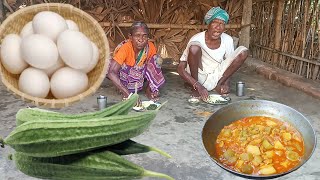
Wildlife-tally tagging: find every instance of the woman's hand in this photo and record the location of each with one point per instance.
(125, 95)
(113, 75)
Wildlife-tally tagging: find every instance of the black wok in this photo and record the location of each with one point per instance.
(237, 110)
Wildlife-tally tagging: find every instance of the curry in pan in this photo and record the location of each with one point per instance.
(260, 145)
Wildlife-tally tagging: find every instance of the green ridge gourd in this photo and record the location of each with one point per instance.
(61, 137)
(103, 165)
(36, 114)
(124, 148)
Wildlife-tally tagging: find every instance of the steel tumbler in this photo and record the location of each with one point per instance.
(240, 88)
(102, 102)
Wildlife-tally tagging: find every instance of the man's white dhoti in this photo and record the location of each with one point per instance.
(210, 79)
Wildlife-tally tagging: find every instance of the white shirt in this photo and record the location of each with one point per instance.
(211, 58)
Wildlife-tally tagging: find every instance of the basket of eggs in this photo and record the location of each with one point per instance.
(52, 54)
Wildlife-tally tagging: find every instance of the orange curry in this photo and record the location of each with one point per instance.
(260, 145)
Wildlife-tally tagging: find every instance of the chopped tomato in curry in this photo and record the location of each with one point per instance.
(260, 145)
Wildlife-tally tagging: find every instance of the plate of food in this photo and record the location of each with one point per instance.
(218, 99)
(147, 105)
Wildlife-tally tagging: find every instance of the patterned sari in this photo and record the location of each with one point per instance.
(149, 69)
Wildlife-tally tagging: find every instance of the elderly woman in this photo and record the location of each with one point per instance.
(209, 59)
(135, 60)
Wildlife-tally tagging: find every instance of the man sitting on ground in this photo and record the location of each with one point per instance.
(209, 59)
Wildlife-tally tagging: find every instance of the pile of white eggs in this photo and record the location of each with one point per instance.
(50, 54)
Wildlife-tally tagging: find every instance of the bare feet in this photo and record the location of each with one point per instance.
(223, 89)
(154, 96)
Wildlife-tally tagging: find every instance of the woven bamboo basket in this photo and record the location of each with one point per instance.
(87, 25)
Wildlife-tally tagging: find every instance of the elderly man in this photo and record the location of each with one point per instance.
(209, 59)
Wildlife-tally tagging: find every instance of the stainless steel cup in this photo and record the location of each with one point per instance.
(240, 88)
(102, 102)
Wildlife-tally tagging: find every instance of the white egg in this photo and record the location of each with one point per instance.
(75, 49)
(26, 30)
(72, 25)
(10, 54)
(94, 60)
(39, 51)
(49, 23)
(34, 82)
(59, 64)
(67, 82)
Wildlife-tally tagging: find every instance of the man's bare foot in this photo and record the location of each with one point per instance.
(223, 89)
(154, 96)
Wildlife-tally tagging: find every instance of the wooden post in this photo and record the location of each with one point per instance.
(2, 12)
(277, 37)
(245, 23)
(303, 30)
(317, 68)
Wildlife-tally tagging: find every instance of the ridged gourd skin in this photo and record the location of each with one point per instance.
(50, 138)
(36, 114)
(96, 165)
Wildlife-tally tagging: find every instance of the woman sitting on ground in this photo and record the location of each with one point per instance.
(135, 60)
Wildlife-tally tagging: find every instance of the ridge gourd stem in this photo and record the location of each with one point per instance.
(162, 104)
(136, 88)
(160, 152)
(156, 174)
(136, 92)
(1, 142)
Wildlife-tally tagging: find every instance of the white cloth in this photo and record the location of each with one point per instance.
(214, 61)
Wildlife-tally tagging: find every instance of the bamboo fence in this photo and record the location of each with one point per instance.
(287, 35)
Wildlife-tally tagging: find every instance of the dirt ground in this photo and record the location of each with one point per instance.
(177, 128)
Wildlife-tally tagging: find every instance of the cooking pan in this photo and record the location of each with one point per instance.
(241, 109)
